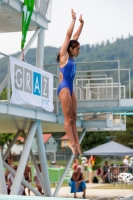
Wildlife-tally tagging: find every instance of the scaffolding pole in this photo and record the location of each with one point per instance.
(23, 159)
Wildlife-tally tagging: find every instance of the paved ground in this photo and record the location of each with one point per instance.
(95, 194)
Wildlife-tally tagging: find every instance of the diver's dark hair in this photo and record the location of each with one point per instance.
(72, 44)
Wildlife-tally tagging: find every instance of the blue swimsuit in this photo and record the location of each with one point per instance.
(68, 72)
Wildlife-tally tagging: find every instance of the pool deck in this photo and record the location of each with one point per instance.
(95, 194)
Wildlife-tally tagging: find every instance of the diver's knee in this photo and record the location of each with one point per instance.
(68, 121)
(74, 116)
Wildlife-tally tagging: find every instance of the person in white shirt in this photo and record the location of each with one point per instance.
(10, 180)
(126, 161)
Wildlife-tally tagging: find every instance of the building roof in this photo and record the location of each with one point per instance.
(20, 138)
(64, 137)
(46, 137)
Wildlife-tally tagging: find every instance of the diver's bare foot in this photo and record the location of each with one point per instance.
(74, 149)
(78, 149)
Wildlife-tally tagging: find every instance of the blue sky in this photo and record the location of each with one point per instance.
(104, 19)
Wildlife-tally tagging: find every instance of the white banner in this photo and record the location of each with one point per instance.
(31, 85)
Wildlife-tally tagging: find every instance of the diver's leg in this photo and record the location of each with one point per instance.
(74, 113)
(66, 103)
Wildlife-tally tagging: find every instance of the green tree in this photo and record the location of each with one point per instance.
(5, 138)
(3, 95)
(93, 139)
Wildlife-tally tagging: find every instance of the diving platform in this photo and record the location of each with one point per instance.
(25, 118)
(102, 88)
(109, 105)
(11, 15)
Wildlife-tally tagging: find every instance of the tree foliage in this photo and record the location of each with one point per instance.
(5, 138)
(93, 139)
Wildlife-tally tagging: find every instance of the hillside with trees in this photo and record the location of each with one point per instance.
(121, 50)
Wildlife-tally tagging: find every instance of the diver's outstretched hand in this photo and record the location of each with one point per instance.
(80, 19)
(73, 14)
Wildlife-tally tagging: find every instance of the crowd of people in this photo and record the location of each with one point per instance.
(9, 178)
(109, 173)
(106, 174)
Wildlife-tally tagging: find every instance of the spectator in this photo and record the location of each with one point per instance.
(9, 162)
(93, 158)
(28, 175)
(36, 179)
(99, 172)
(89, 168)
(126, 161)
(75, 164)
(10, 180)
(83, 162)
(105, 176)
(114, 173)
(77, 183)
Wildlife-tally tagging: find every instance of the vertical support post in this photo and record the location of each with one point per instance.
(68, 166)
(37, 5)
(8, 83)
(35, 165)
(40, 49)
(119, 81)
(129, 84)
(98, 92)
(37, 169)
(82, 89)
(111, 88)
(43, 6)
(3, 189)
(43, 160)
(106, 88)
(23, 159)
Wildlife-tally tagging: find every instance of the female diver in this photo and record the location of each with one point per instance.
(65, 58)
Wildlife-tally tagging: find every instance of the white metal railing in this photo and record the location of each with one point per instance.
(115, 171)
(99, 91)
(90, 84)
(108, 78)
(115, 72)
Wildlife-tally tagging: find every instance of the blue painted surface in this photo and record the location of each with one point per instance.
(37, 84)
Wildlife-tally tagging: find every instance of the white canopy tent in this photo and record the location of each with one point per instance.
(110, 148)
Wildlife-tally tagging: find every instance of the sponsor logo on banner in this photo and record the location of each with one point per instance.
(32, 85)
(31, 82)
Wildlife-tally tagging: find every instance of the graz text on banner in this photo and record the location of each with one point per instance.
(31, 85)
